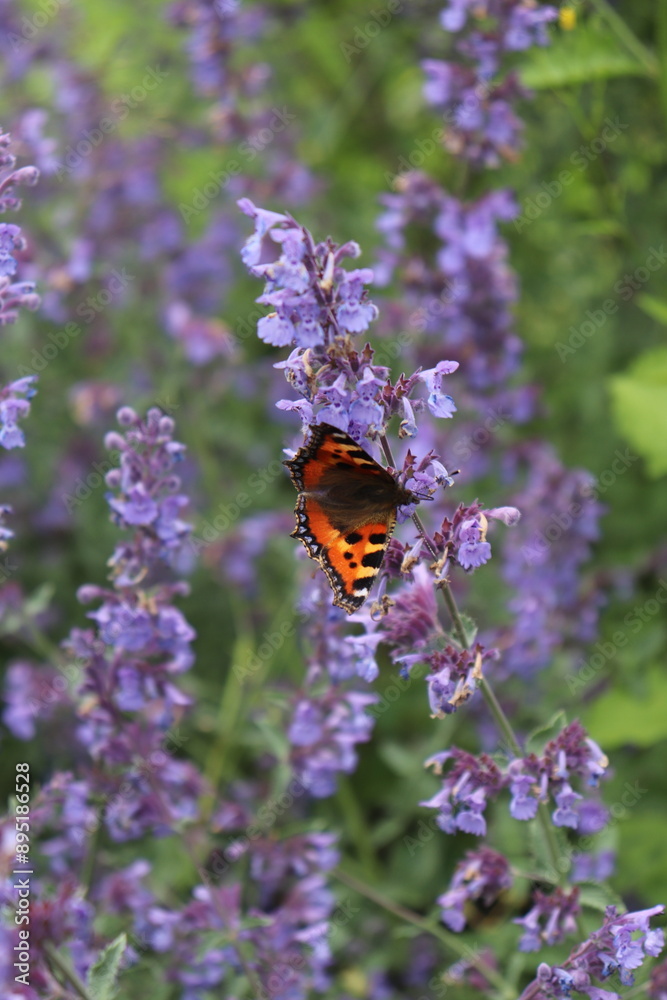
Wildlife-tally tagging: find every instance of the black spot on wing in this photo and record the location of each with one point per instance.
(377, 538)
(353, 538)
(373, 559)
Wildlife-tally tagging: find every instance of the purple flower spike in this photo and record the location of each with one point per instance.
(148, 499)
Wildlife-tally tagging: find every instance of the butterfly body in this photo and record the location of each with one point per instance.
(345, 511)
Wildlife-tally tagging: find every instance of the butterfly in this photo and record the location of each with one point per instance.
(345, 511)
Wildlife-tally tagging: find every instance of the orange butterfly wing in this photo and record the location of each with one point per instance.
(345, 512)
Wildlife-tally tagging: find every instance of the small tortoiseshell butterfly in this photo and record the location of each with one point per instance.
(345, 512)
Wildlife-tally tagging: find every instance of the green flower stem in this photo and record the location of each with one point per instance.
(627, 37)
(451, 940)
(68, 973)
(492, 702)
(502, 721)
(505, 728)
(453, 610)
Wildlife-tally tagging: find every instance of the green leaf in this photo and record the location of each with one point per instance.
(590, 52)
(102, 975)
(540, 852)
(469, 627)
(639, 402)
(641, 856)
(654, 307)
(538, 737)
(597, 896)
(619, 718)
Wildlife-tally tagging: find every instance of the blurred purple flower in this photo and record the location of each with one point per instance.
(324, 732)
(15, 406)
(551, 918)
(32, 693)
(543, 558)
(483, 875)
(480, 125)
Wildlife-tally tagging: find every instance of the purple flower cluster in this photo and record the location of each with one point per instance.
(275, 931)
(618, 948)
(323, 732)
(329, 716)
(534, 779)
(472, 781)
(465, 791)
(481, 126)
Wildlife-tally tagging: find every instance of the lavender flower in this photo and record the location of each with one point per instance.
(619, 947)
(473, 780)
(454, 677)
